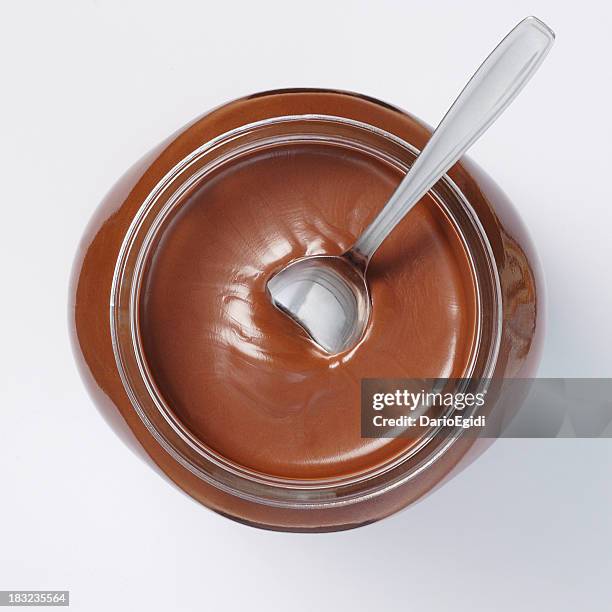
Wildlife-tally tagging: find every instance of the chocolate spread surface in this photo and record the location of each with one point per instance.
(244, 378)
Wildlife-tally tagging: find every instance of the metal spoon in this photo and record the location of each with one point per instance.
(328, 295)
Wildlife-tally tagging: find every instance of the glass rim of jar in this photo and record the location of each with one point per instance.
(165, 198)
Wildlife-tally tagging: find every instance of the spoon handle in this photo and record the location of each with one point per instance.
(487, 94)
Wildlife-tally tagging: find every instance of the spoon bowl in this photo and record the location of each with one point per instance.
(328, 296)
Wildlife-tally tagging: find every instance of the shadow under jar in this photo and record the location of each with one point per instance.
(191, 363)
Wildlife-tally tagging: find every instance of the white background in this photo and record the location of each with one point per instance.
(87, 88)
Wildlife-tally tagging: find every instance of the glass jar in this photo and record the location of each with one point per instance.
(112, 260)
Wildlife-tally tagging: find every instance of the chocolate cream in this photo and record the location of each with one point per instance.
(245, 379)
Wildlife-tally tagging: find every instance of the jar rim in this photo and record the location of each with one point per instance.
(138, 382)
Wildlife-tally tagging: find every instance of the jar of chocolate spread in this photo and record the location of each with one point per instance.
(190, 362)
